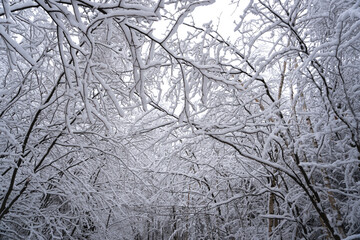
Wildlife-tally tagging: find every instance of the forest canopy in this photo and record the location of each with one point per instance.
(130, 119)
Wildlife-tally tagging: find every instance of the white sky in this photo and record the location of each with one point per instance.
(222, 12)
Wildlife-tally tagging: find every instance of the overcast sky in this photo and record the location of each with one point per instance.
(222, 12)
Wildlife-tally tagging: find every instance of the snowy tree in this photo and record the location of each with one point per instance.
(130, 120)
